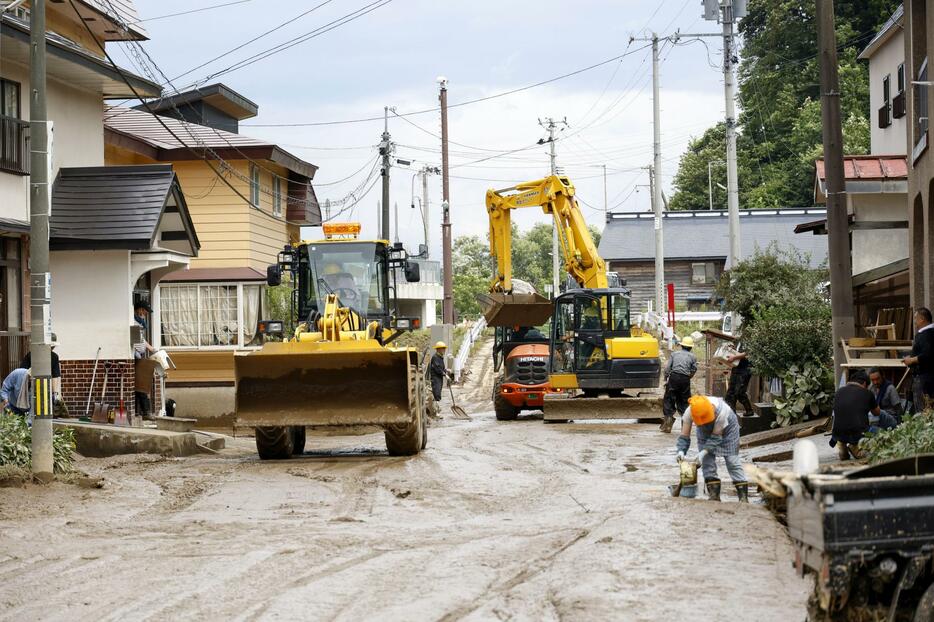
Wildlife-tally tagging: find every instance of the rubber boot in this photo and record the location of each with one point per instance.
(713, 489)
(842, 452)
(666, 425)
(742, 491)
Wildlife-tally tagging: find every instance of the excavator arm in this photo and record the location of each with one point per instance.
(555, 196)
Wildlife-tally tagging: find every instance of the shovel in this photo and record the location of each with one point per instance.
(457, 410)
(101, 408)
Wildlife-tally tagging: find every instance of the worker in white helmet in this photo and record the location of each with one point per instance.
(682, 365)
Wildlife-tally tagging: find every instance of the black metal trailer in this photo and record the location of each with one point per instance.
(868, 537)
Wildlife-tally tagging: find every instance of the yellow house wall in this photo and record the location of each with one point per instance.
(232, 234)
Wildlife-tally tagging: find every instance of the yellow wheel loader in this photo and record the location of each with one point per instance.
(338, 369)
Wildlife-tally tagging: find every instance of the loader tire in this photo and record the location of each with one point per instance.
(274, 443)
(423, 408)
(407, 439)
(925, 609)
(298, 440)
(503, 409)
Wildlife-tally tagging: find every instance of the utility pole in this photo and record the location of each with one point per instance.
(396, 217)
(838, 226)
(40, 208)
(606, 210)
(385, 150)
(655, 173)
(447, 305)
(732, 184)
(551, 125)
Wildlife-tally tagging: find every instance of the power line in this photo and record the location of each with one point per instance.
(317, 32)
(254, 39)
(207, 8)
(460, 104)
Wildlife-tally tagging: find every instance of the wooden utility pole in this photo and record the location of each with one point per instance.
(385, 150)
(838, 226)
(447, 305)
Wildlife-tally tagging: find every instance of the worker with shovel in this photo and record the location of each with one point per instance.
(717, 435)
(437, 372)
(682, 365)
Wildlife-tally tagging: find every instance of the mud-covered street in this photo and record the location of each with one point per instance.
(520, 521)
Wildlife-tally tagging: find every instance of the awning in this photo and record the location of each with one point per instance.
(204, 275)
(14, 225)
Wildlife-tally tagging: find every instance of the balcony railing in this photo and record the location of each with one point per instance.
(898, 105)
(885, 116)
(14, 145)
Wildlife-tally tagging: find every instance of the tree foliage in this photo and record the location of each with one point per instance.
(786, 327)
(779, 94)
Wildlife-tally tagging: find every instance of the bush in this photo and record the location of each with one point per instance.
(771, 278)
(16, 444)
(913, 437)
(795, 334)
(808, 393)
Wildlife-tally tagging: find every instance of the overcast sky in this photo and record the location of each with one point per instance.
(392, 55)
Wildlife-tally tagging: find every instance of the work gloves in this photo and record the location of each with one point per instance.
(680, 456)
(700, 456)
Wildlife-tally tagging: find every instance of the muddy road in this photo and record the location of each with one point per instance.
(510, 521)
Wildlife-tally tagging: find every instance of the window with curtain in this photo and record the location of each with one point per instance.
(254, 185)
(276, 195)
(209, 315)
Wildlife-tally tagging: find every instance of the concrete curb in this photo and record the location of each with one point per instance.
(100, 441)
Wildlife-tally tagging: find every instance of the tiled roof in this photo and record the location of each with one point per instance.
(122, 12)
(146, 128)
(117, 207)
(705, 234)
(870, 167)
(887, 30)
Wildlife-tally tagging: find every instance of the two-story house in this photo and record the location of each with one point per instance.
(204, 314)
(111, 229)
(877, 190)
(919, 43)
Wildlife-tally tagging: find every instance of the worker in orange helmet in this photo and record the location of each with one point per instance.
(717, 435)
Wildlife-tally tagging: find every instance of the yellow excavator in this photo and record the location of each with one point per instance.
(338, 369)
(596, 355)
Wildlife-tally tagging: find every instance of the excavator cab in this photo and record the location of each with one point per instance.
(595, 349)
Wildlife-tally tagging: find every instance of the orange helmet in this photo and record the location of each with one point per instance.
(702, 411)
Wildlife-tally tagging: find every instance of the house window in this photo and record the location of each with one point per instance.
(9, 99)
(276, 195)
(254, 185)
(14, 132)
(885, 112)
(900, 77)
(210, 315)
(11, 292)
(898, 102)
(703, 273)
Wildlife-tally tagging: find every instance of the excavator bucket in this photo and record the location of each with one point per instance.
(515, 309)
(341, 383)
(561, 407)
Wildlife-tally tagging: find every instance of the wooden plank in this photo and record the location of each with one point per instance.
(779, 435)
(777, 456)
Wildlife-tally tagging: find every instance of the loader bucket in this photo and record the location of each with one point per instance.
(325, 384)
(560, 407)
(515, 309)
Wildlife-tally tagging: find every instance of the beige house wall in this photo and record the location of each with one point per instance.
(232, 234)
(78, 139)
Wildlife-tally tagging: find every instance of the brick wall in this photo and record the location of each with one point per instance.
(76, 381)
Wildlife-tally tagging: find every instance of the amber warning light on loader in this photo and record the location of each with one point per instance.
(334, 229)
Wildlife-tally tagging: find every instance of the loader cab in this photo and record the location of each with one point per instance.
(357, 271)
(508, 338)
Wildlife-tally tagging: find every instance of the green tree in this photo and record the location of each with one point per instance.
(779, 94)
